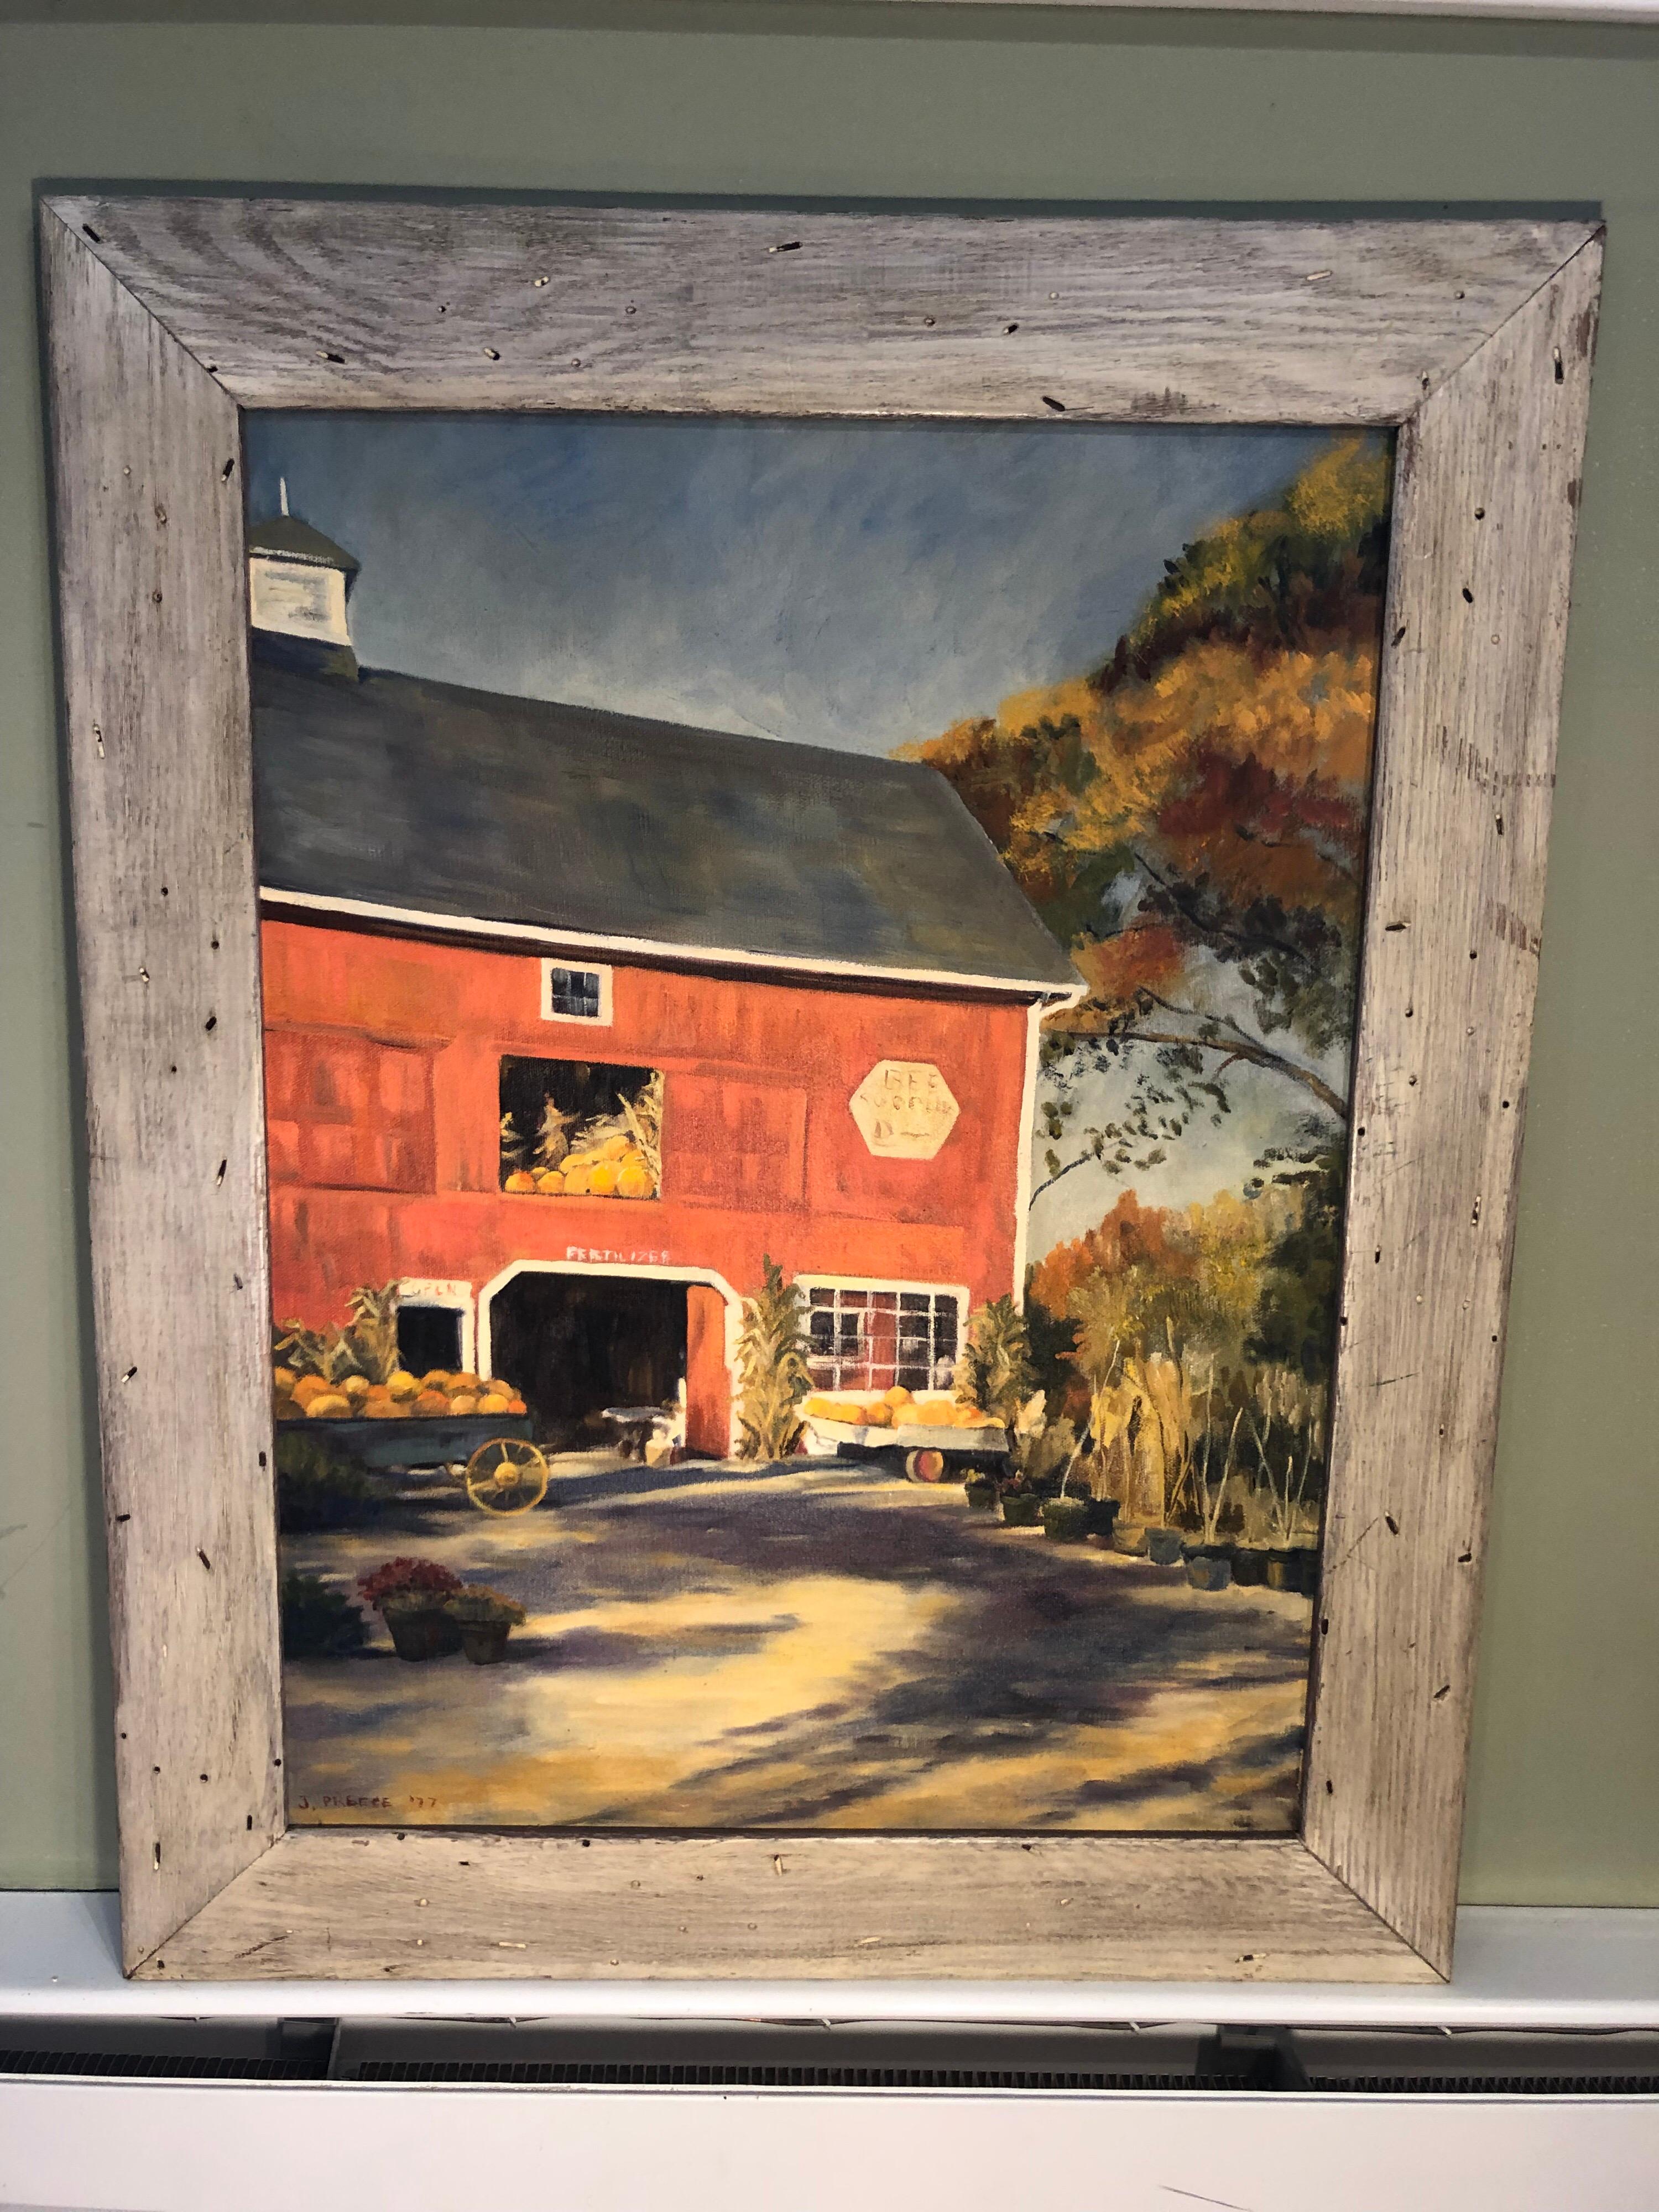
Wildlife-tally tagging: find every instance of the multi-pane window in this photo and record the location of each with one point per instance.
(575, 994)
(869, 1340)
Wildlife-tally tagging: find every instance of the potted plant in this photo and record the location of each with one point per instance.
(1102, 1517)
(409, 1596)
(1022, 1507)
(1250, 1564)
(1066, 1520)
(1210, 1561)
(981, 1490)
(1284, 1401)
(485, 1619)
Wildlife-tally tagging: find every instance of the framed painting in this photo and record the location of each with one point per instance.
(807, 945)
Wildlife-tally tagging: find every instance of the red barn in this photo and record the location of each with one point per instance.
(482, 910)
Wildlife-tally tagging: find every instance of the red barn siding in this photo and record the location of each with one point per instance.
(383, 1057)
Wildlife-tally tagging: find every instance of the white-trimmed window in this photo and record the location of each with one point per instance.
(869, 1336)
(572, 994)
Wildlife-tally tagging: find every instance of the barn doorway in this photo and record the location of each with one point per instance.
(574, 1344)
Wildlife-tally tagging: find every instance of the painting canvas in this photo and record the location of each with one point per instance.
(809, 978)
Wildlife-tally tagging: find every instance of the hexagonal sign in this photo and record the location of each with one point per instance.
(904, 1109)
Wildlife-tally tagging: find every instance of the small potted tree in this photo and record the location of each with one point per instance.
(410, 1596)
(1210, 1561)
(1284, 1404)
(485, 1619)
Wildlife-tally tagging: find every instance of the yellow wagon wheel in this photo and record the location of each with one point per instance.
(506, 1475)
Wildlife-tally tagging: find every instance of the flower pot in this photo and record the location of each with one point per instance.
(1209, 1566)
(484, 1642)
(1249, 1566)
(981, 1492)
(1022, 1509)
(1283, 1568)
(422, 1632)
(1103, 1514)
(1066, 1520)
(1129, 1537)
(1163, 1547)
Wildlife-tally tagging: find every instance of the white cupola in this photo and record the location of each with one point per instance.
(298, 580)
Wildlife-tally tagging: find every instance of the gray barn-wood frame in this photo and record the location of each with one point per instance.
(166, 317)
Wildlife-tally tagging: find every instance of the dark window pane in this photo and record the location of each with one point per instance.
(428, 1337)
(575, 992)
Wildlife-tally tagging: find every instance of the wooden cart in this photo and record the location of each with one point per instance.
(491, 1456)
(929, 1454)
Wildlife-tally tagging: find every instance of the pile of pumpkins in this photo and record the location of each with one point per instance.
(898, 1409)
(613, 1167)
(439, 1395)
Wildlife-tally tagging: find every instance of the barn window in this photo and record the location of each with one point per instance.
(575, 994)
(870, 1338)
(578, 1128)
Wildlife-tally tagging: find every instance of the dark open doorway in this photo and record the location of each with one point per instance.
(575, 1344)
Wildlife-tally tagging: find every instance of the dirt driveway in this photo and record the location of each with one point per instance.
(819, 1646)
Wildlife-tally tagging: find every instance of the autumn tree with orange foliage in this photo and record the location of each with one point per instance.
(1201, 798)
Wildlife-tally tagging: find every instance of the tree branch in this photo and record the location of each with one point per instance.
(1246, 941)
(1239, 1045)
(1081, 1161)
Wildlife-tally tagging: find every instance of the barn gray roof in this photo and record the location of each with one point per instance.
(465, 805)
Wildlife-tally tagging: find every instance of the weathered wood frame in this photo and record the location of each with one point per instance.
(166, 317)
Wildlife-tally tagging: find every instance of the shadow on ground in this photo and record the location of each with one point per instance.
(719, 1614)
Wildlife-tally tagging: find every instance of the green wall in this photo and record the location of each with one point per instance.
(954, 105)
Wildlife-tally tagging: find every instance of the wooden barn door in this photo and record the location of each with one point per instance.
(707, 1384)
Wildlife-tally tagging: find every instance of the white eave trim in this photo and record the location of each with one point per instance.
(655, 949)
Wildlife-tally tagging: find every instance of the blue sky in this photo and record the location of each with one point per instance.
(846, 584)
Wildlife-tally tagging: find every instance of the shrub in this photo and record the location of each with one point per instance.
(319, 1622)
(995, 1372)
(317, 1489)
